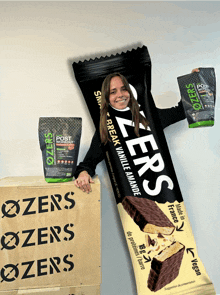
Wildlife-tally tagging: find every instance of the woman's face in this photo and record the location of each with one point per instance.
(119, 97)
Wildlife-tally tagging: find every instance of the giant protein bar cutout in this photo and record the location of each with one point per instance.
(144, 181)
(59, 142)
(198, 93)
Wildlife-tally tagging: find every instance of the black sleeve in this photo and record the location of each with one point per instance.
(92, 158)
(172, 115)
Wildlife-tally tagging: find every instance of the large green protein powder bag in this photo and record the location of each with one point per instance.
(198, 93)
(59, 142)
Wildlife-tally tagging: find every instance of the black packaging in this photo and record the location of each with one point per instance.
(198, 94)
(135, 65)
(59, 142)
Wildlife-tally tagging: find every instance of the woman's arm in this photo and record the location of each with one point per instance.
(86, 169)
(172, 115)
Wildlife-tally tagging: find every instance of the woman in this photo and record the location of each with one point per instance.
(116, 93)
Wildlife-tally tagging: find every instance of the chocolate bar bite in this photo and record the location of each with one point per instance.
(148, 216)
(165, 266)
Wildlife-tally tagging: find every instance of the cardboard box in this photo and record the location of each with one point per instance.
(49, 238)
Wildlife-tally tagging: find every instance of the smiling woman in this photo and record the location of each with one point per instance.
(117, 93)
(119, 96)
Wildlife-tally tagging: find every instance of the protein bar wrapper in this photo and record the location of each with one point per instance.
(59, 140)
(198, 94)
(147, 193)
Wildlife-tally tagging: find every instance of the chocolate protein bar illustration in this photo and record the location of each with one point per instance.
(148, 216)
(165, 266)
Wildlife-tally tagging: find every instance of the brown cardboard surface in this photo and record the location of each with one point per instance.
(49, 236)
(83, 290)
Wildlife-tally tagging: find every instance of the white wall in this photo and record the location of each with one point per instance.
(38, 43)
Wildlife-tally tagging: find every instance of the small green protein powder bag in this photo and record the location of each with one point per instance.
(59, 142)
(198, 93)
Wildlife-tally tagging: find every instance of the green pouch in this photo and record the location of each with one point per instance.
(198, 94)
(59, 142)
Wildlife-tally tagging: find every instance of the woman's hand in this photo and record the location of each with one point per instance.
(83, 182)
(195, 70)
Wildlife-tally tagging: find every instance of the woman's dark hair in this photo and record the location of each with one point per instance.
(133, 105)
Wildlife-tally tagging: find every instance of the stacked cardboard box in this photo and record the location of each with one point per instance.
(49, 238)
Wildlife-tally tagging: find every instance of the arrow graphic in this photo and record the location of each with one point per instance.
(180, 229)
(190, 250)
(147, 259)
